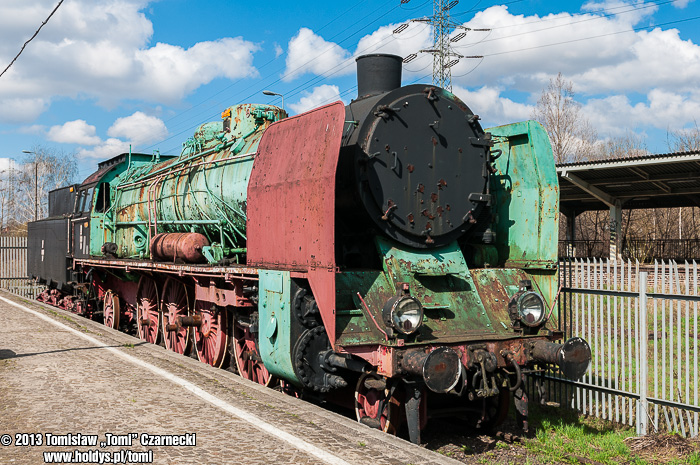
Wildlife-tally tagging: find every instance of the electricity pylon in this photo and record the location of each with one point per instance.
(444, 57)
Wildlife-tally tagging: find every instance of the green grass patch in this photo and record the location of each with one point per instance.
(566, 437)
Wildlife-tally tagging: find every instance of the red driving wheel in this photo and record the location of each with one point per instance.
(210, 337)
(147, 313)
(175, 304)
(247, 355)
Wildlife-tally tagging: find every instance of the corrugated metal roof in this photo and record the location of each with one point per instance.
(652, 181)
(654, 158)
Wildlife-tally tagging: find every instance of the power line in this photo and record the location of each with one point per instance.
(570, 23)
(636, 29)
(300, 67)
(305, 85)
(261, 67)
(31, 38)
(256, 85)
(444, 55)
(313, 81)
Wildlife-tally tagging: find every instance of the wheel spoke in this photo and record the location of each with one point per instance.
(210, 343)
(245, 348)
(110, 310)
(175, 304)
(380, 408)
(147, 310)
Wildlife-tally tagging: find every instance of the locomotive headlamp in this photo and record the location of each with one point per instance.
(403, 312)
(531, 308)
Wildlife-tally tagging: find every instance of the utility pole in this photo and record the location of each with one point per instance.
(36, 183)
(36, 189)
(444, 56)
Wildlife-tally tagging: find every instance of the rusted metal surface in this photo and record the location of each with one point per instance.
(495, 287)
(440, 368)
(361, 295)
(418, 170)
(179, 246)
(226, 272)
(230, 293)
(442, 282)
(97, 175)
(191, 321)
(204, 188)
(573, 357)
(291, 201)
(525, 189)
(175, 304)
(391, 361)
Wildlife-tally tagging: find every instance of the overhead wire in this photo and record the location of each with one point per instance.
(313, 81)
(31, 38)
(636, 29)
(416, 8)
(554, 17)
(339, 16)
(303, 65)
(599, 17)
(595, 18)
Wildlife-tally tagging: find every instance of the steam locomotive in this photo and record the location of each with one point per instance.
(389, 255)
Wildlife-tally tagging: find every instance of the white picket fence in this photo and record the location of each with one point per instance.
(13, 267)
(642, 326)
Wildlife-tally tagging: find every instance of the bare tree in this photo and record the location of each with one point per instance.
(46, 169)
(628, 145)
(570, 133)
(684, 140)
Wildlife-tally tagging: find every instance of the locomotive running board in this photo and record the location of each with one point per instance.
(291, 201)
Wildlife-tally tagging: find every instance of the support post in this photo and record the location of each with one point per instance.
(570, 233)
(616, 231)
(413, 401)
(642, 359)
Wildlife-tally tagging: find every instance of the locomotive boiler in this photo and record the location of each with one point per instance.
(389, 255)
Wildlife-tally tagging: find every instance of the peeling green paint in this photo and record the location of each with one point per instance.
(526, 193)
(203, 190)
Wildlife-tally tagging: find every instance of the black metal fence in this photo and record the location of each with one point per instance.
(644, 250)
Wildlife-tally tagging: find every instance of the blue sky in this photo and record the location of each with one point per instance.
(103, 74)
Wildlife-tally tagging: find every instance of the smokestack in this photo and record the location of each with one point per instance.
(378, 73)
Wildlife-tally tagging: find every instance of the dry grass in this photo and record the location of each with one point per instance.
(665, 448)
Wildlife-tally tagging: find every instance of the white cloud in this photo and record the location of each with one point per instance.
(105, 150)
(415, 37)
(6, 164)
(493, 109)
(321, 95)
(21, 110)
(170, 72)
(681, 3)
(660, 59)
(310, 53)
(34, 129)
(74, 132)
(520, 53)
(138, 128)
(662, 110)
(633, 11)
(100, 49)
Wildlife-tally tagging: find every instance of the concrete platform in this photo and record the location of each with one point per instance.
(65, 376)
